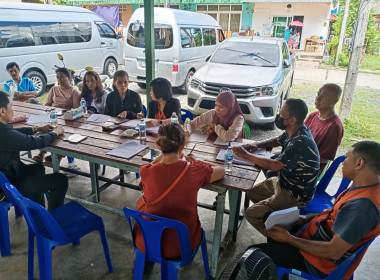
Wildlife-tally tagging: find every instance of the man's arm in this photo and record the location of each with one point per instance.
(333, 249)
(263, 162)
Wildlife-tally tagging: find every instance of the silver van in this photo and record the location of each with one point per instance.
(32, 34)
(183, 40)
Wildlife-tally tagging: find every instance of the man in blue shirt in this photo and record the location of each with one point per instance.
(297, 166)
(25, 87)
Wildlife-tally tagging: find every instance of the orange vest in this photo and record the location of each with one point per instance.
(326, 265)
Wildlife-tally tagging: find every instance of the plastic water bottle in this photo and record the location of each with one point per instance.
(12, 90)
(83, 104)
(142, 129)
(228, 158)
(53, 117)
(174, 118)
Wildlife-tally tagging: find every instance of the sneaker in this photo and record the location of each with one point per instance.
(70, 174)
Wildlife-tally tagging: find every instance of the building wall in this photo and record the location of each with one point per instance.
(315, 21)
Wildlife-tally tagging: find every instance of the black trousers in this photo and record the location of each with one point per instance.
(33, 183)
(283, 255)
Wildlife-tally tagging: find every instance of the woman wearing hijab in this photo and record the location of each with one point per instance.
(226, 120)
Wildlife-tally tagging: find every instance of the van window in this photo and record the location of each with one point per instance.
(191, 37)
(209, 36)
(22, 34)
(106, 31)
(163, 36)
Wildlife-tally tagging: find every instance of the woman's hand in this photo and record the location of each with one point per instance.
(210, 129)
(152, 123)
(190, 158)
(140, 116)
(122, 115)
(45, 129)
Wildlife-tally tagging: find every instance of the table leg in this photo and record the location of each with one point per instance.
(94, 182)
(55, 162)
(220, 200)
(233, 221)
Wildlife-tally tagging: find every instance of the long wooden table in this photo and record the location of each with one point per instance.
(98, 143)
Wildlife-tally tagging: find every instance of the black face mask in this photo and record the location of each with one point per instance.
(279, 122)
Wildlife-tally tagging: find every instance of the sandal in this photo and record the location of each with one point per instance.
(48, 158)
(40, 157)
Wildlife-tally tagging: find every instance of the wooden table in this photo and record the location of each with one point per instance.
(98, 143)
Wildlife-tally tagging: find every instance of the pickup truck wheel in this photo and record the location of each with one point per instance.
(190, 74)
(38, 80)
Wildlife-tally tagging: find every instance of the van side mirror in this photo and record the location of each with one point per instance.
(208, 58)
(287, 63)
(119, 35)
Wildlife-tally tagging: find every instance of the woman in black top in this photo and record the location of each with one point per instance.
(163, 104)
(122, 102)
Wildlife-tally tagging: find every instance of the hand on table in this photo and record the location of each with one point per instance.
(122, 115)
(152, 123)
(279, 234)
(239, 151)
(45, 129)
(140, 116)
(250, 148)
(58, 130)
(210, 129)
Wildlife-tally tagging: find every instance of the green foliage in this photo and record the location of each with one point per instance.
(372, 35)
(57, 2)
(371, 62)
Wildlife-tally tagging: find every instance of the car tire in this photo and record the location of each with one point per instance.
(38, 80)
(142, 85)
(187, 81)
(110, 67)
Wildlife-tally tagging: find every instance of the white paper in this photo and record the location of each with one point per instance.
(198, 136)
(38, 119)
(133, 123)
(127, 149)
(220, 142)
(152, 130)
(282, 217)
(98, 118)
(237, 159)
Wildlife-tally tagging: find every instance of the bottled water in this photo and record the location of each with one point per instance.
(83, 104)
(53, 117)
(228, 158)
(12, 90)
(174, 118)
(142, 129)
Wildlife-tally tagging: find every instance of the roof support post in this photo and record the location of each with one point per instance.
(149, 46)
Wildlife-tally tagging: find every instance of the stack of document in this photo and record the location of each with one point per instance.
(283, 218)
(198, 136)
(127, 149)
(98, 118)
(135, 125)
(38, 119)
(237, 159)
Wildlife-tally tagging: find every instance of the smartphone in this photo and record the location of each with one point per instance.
(151, 155)
(75, 138)
(110, 127)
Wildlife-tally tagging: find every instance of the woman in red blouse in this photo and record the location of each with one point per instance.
(181, 202)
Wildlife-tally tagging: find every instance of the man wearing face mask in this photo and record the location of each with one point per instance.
(297, 166)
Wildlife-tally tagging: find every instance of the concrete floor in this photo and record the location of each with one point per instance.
(87, 261)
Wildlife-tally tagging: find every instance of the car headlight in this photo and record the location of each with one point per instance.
(195, 83)
(265, 91)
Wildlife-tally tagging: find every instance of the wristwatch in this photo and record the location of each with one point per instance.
(160, 122)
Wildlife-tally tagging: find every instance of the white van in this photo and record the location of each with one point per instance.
(183, 40)
(32, 34)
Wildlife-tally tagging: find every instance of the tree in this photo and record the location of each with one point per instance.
(371, 38)
(55, 2)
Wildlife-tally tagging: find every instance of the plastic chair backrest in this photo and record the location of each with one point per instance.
(37, 217)
(247, 131)
(186, 114)
(3, 180)
(342, 268)
(145, 112)
(152, 230)
(329, 174)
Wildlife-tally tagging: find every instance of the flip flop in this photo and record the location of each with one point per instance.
(38, 158)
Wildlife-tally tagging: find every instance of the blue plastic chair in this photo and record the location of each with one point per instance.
(64, 225)
(5, 242)
(337, 273)
(152, 231)
(186, 114)
(322, 200)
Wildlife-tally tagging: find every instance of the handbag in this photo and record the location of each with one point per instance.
(142, 205)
